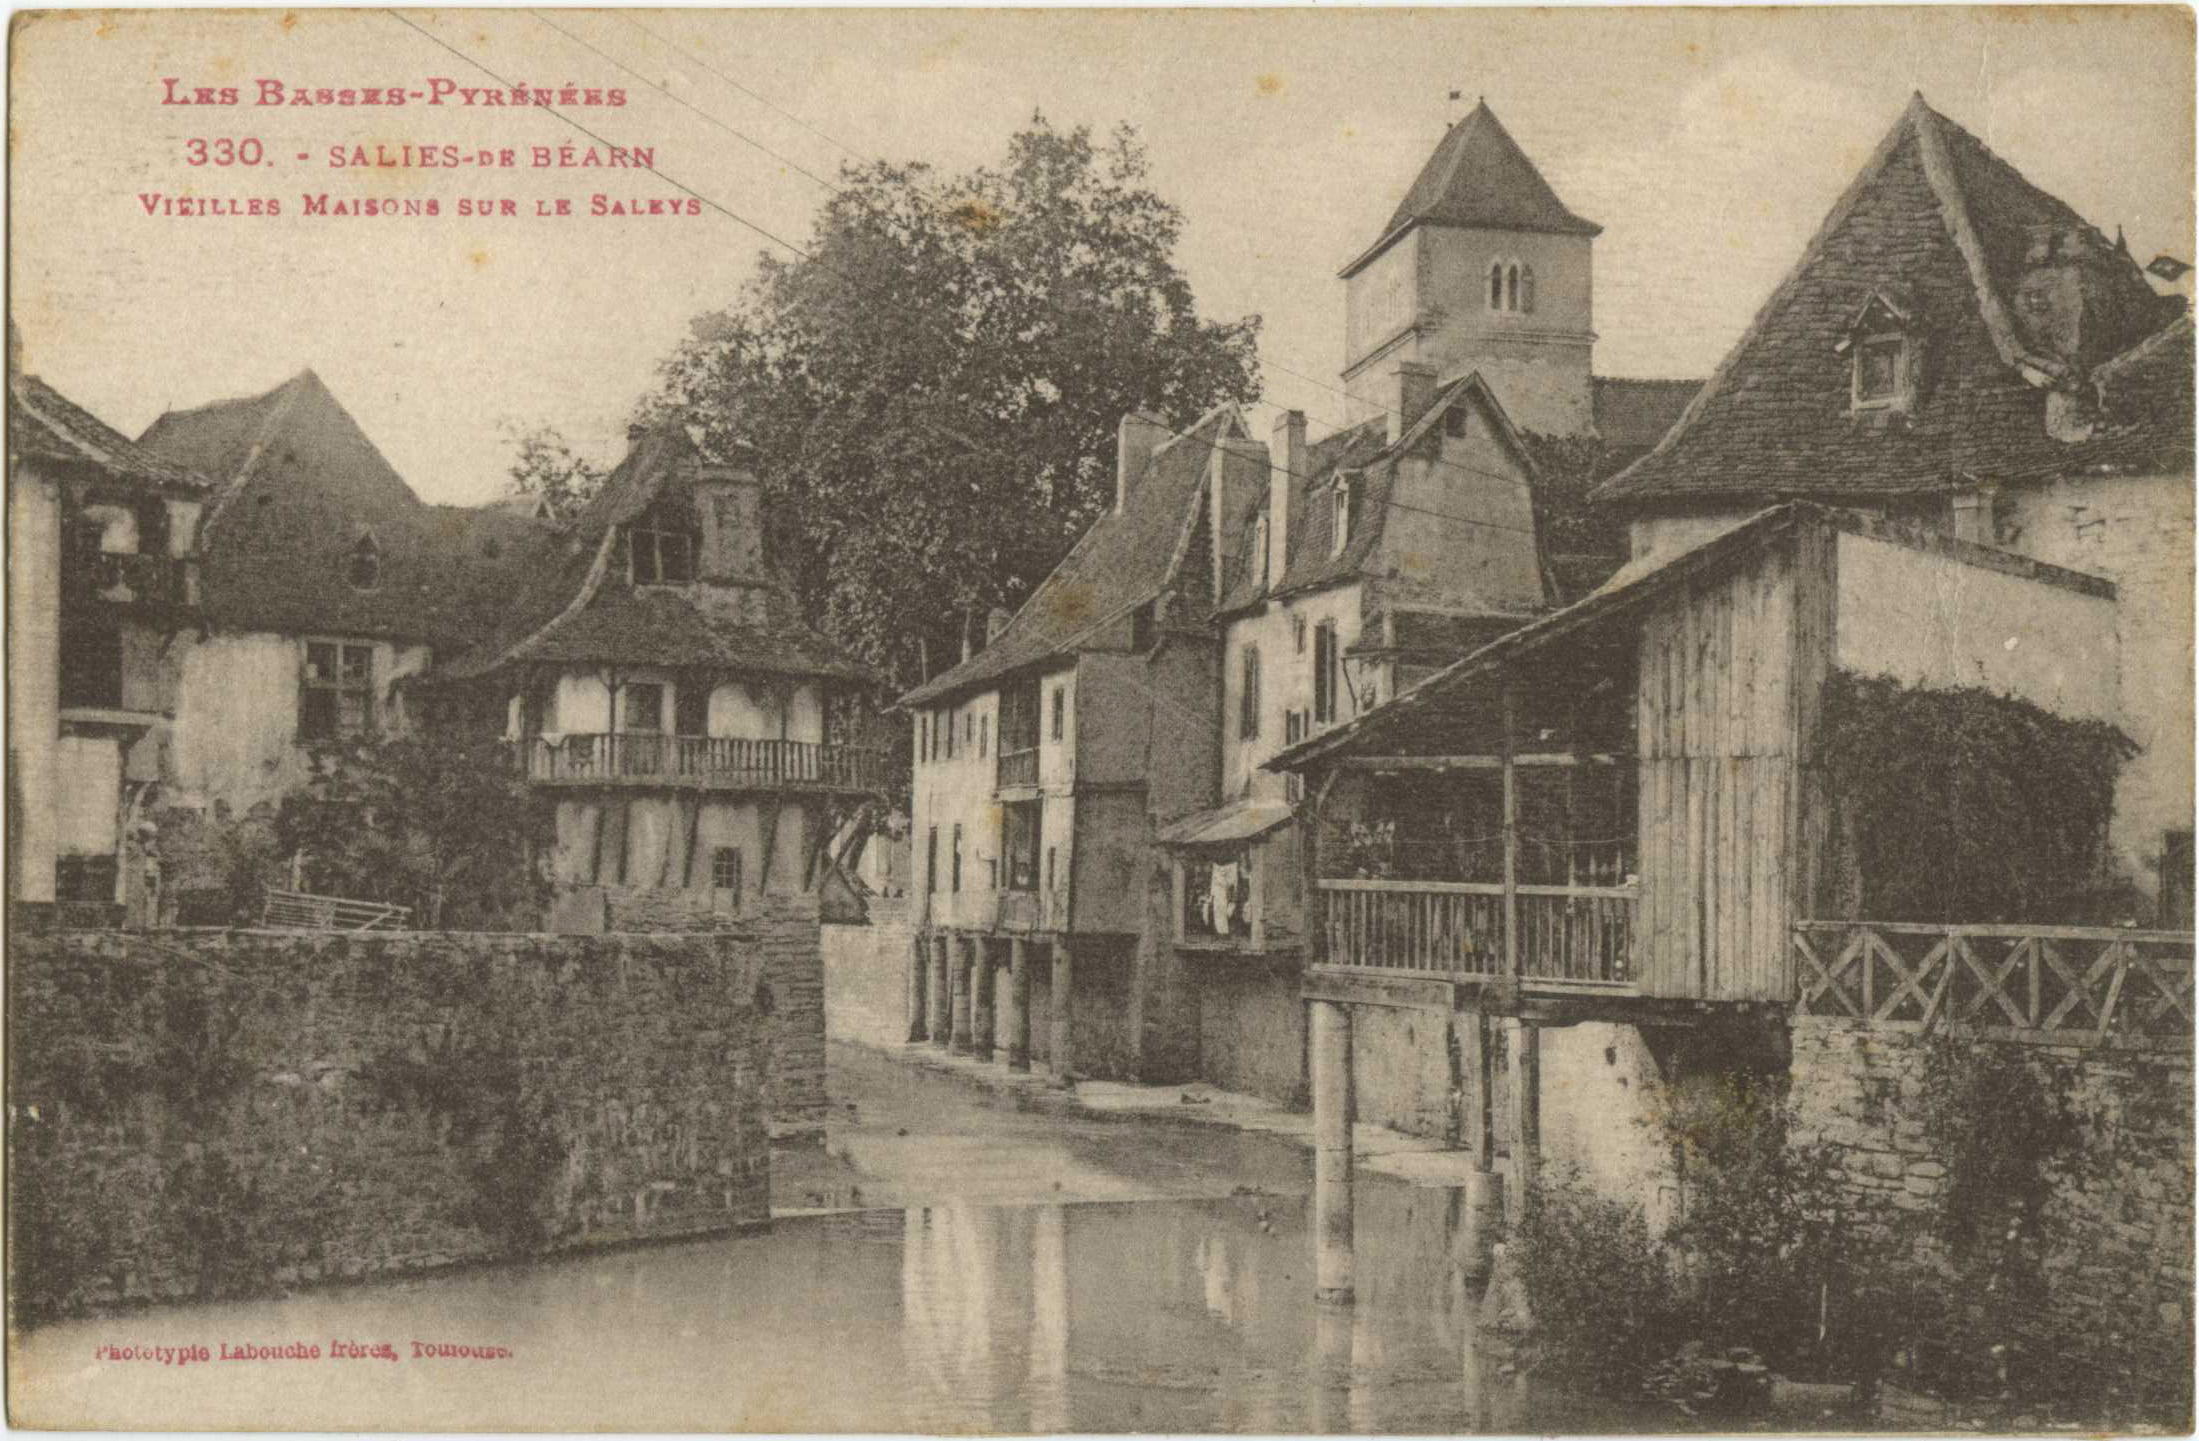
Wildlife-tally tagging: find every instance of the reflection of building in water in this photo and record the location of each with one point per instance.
(1049, 1381)
(985, 1301)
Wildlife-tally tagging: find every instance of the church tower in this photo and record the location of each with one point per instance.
(1481, 268)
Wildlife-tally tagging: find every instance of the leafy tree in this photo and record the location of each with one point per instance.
(441, 822)
(932, 390)
(546, 468)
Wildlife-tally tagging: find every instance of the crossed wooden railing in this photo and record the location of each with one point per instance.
(303, 911)
(2064, 985)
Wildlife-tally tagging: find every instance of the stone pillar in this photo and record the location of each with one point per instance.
(1019, 1004)
(981, 998)
(1330, 1024)
(1523, 1053)
(920, 964)
(959, 961)
(1480, 1224)
(1058, 1063)
(941, 997)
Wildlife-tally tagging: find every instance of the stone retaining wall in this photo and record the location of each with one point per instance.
(866, 976)
(205, 1113)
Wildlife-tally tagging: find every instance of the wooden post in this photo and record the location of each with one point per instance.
(942, 991)
(1019, 1004)
(1511, 833)
(1057, 1064)
(1522, 1133)
(981, 998)
(1330, 1023)
(919, 971)
(960, 961)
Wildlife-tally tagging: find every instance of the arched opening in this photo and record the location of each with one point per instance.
(1511, 287)
(1527, 289)
(1496, 285)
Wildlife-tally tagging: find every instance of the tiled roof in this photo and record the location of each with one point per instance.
(297, 485)
(44, 423)
(1478, 177)
(1941, 227)
(1635, 414)
(575, 607)
(1126, 559)
(1365, 452)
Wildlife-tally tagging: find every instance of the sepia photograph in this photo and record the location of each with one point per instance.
(1382, 720)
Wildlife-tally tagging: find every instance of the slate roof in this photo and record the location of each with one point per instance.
(1365, 451)
(1479, 178)
(45, 424)
(1635, 414)
(297, 484)
(1126, 559)
(1941, 227)
(574, 604)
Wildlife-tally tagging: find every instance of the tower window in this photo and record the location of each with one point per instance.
(1527, 289)
(1496, 285)
(1511, 286)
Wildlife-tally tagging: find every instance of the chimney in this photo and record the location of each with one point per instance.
(635, 430)
(1239, 469)
(996, 621)
(1139, 435)
(729, 505)
(1415, 389)
(1286, 460)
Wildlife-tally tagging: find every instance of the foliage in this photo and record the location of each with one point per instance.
(1569, 468)
(931, 391)
(545, 468)
(1701, 1382)
(215, 870)
(441, 822)
(1605, 1300)
(1965, 806)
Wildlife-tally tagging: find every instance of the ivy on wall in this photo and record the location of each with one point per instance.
(1962, 806)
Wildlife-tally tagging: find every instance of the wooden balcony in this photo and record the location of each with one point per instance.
(1566, 936)
(699, 763)
(2054, 985)
(1018, 769)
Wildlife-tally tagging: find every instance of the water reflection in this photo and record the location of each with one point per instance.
(1148, 1315)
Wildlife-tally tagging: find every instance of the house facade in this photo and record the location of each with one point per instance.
(102, 582)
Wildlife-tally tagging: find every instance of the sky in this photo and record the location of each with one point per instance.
(1709, 144)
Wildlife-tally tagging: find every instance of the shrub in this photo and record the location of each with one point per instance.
(1605, 1304)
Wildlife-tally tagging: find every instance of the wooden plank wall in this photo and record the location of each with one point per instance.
(1715, 720)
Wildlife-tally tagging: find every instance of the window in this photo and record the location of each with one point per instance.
(1260, 548)
(969, 728)
(947, 717)
(1298, 634)
(365, 568)
(1061, 708)
(1346, 515)
(691, 709)
(1511, 287)
(1050, 868)
(1019, 844)
(931, 861)
(924, 737)
(1324, 673)
(641, 708)
(954, 861)
(1248, 698)
(661, 548)
(1881, 371)
(1496, 285)
(1217, 897)
(984, 734)
(91, 664)
(1294, 731)
(336, 693)
(725, 869)
(1527, 289)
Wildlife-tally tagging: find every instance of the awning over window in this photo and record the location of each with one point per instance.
(1232, 824)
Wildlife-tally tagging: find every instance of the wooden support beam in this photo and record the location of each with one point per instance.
(1523, 1054)
(1510, 696)
(1481, 763)
(768, 812)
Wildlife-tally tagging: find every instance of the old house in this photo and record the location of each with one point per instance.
(102, 583)
(1602, 856)
(1959, 348)
(661, 688)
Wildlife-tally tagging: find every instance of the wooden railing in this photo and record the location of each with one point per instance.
(706, 761)
(2065, 985)
(1582, 934)
(302, 911)
(1019, 768)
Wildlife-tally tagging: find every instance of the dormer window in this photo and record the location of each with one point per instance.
(1346, 515)
(1259, 548)
(1881, 355)
(660, 547)
(364, 569)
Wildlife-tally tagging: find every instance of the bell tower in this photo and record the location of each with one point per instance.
(1480, 268)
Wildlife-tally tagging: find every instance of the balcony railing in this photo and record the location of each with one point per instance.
(2064, 985)
(1019, 768)
(165, 580)
(1566, 934)
(705, 762)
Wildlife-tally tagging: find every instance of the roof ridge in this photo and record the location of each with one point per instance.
(1954, 207)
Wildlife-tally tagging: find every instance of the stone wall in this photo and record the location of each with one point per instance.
(205, 1113)
(1252, 1029)
(2120, 1212)
(866, 976)
(788, 936)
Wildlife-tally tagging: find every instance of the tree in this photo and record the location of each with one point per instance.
(547, 469)
(931, 392)
(441, 822)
